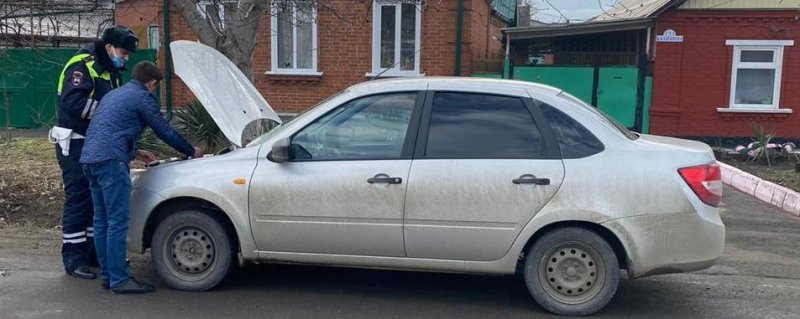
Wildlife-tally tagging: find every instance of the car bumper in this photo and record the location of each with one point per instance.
(670, 243)
(143, 202)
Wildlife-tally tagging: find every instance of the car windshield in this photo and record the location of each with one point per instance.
(277, 129)
(609, 121)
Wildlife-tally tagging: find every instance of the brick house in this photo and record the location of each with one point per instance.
(716, 65)
(307, 58)
(737, 64)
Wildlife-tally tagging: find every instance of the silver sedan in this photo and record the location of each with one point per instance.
(432, 174)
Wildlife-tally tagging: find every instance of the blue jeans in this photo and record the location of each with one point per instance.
(110, 182)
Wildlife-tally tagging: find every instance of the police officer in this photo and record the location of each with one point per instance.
(85, 79)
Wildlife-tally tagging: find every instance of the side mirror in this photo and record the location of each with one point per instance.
(280, 151)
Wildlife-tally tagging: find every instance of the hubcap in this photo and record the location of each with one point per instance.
(192, 250)
(573, 273)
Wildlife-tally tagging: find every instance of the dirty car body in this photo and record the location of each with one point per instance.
(433, 174)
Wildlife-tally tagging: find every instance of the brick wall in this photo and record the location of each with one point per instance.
(692, 79)
(139, 15)
(485, 38)
(345, 49)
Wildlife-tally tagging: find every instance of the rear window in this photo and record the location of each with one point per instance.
(468, 125)
(574, 140)
(602, 116)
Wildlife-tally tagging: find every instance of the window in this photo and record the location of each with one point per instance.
(756, 73)
(152, 35)
(574, 140)
(294, 37)
(603, 117)
(465, 125)
(215, 10)
(396, 38)
(372, 127)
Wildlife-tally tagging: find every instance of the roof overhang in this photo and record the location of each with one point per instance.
(549, 31)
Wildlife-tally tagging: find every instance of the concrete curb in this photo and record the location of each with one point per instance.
(765, 191)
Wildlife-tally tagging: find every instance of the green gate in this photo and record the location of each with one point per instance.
(614, 90)
(28, 79)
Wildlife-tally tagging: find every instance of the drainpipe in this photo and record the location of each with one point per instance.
(507, 60)
(167, 61)
(459, 35)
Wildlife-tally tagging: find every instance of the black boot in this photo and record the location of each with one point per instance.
(133, 287)
(82, 272)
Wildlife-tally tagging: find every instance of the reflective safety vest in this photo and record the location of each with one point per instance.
(89, 60)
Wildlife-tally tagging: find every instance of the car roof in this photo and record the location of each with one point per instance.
(460, 83)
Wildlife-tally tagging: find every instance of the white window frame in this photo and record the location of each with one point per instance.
(313, 71)
(376, 39)
(775, 46)
(150, 37)
(201, 7)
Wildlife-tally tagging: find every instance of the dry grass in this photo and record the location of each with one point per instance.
(31, 192)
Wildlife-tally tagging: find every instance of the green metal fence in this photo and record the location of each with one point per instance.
(28, 80)
(614, 90)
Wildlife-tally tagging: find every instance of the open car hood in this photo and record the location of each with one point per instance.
(228, 96)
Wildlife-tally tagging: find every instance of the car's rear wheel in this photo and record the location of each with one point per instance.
(572, 271)
(192, 250)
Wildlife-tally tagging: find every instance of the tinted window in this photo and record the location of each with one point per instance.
(603, 116)
(372, 127)
(573, 138)
(466, 125)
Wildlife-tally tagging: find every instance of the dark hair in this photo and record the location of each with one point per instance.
(146, 71)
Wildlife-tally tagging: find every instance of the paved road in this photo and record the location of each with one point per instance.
(758, 277)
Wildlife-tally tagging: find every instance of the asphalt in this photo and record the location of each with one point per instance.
(758, 277)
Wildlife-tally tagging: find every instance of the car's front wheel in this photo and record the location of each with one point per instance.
(571, 271)
(192, 250)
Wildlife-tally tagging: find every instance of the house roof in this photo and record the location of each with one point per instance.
(546, 31)
(636, 9)
(740, 4)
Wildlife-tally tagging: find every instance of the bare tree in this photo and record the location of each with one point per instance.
(228, 26)
(232, 26)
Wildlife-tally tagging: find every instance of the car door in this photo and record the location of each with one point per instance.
(481, 170)
(344, 187)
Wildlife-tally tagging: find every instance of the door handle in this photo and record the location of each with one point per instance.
(384, 179)
(530, 179)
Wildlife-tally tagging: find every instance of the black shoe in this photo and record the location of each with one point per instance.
(133, 287)
(82, 272)
(106, 284)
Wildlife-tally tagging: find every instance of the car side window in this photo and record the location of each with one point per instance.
(372, 127)
(468, 125)
(574, 140)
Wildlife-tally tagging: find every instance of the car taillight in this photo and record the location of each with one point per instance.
(705, 181)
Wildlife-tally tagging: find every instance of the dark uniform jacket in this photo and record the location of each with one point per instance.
(80, 88)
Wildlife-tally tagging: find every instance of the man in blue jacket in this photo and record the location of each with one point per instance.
(109, 147)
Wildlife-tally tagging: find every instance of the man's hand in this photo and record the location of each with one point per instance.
(145, 156)
(197, 153)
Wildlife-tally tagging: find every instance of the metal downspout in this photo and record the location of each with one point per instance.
(459, 36)
(167, 61)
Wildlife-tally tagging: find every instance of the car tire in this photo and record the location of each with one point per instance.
(192, 250)
(572, 271)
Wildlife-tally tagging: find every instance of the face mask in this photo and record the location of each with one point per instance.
(118, 61)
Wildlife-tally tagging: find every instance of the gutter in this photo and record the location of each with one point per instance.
(459, 36)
